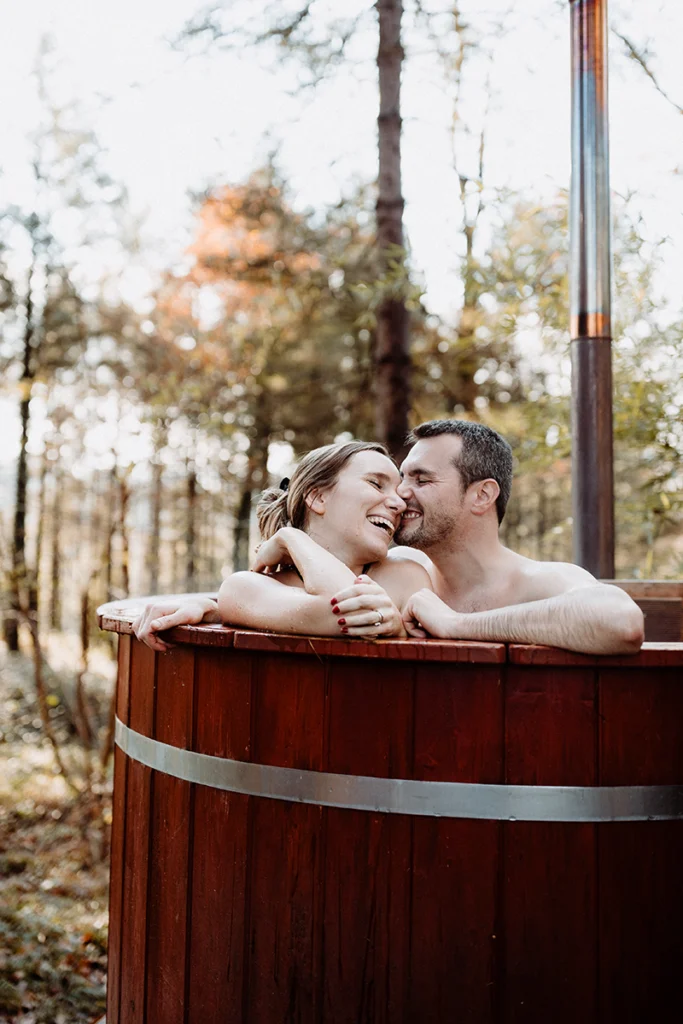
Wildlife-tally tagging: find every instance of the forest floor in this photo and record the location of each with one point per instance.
(54, 847)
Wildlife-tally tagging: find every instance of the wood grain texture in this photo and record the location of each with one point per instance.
(396, 650)
(455, 935)
(136, 842)
(117, 838)
(219, 860)
(367, 866)
(169, 894)
(641, 882)
(649, 588)
(550, 883)
(651, 655)
(285, 853)
(663, 618)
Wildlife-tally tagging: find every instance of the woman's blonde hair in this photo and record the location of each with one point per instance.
(316, 471)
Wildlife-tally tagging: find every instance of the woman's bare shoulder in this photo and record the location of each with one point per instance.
(247, 581)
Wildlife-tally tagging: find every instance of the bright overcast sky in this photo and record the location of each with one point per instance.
(170, 124)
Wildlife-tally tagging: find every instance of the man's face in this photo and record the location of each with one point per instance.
(433, 492)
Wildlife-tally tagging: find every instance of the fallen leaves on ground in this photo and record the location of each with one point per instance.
(53, 873)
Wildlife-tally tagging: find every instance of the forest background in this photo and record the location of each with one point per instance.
(195, 277)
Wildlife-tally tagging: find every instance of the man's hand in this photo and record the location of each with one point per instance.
(160, 615)
(366, 610)
(425, 614)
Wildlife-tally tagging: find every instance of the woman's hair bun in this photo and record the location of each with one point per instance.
(271, 511)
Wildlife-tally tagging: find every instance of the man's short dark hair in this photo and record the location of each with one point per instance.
(484, 454)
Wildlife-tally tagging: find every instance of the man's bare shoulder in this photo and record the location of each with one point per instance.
(539, 580)
(402, 574)
(403, 554)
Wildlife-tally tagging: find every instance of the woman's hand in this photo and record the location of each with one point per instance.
(160, 615)
(365, 609)
(425, 614)
(272, 552)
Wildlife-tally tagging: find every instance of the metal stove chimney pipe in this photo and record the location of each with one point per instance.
(590, 293)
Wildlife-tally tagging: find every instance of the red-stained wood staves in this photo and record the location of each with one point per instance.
(641, 878)
(228, 909)
(367, 861)
(219, 858)
(454, 937)
(117, 838)
(285, 854)
(549, 889)
(169, 893)
(136, 842)
(393, 649)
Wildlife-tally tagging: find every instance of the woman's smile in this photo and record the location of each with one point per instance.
(383, 523)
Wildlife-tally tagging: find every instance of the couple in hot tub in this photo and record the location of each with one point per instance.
(324, 567)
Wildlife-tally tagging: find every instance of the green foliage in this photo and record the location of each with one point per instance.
(530, 246)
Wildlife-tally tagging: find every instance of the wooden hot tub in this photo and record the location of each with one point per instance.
(289, 845)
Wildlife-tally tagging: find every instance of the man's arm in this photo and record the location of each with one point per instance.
(593, 618)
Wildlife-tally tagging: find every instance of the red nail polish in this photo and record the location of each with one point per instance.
(332, 601)
(345, 629)
(342, 622)
(335, 610)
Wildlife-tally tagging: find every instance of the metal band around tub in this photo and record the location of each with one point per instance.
(406, 796)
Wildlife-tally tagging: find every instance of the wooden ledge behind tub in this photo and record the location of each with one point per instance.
(661, 602)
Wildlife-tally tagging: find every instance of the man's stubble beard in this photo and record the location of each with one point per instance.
(440, 528)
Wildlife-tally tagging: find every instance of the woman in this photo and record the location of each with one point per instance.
(322, 568)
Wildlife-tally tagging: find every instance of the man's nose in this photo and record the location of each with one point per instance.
(404, 490)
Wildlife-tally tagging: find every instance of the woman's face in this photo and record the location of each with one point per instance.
(362, 510)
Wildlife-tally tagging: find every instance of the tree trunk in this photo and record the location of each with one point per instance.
(34, 588)
(392, 382)
(154, 547)
(109, 531)
(191, 530)
(255, 479)
(55, 574)
(18, 570)
(124, 499)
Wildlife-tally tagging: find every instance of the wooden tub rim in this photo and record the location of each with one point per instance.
(118, 617)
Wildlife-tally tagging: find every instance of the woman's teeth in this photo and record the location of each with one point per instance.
(384, 524)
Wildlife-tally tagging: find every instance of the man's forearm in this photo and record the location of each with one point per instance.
(587, 620)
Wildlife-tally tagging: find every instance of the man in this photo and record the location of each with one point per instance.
(456, 484)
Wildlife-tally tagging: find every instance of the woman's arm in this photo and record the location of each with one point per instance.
(262, 602)
(320, 571)
(259, 600)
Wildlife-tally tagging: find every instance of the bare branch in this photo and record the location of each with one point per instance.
(292, 35)
(641, 58)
